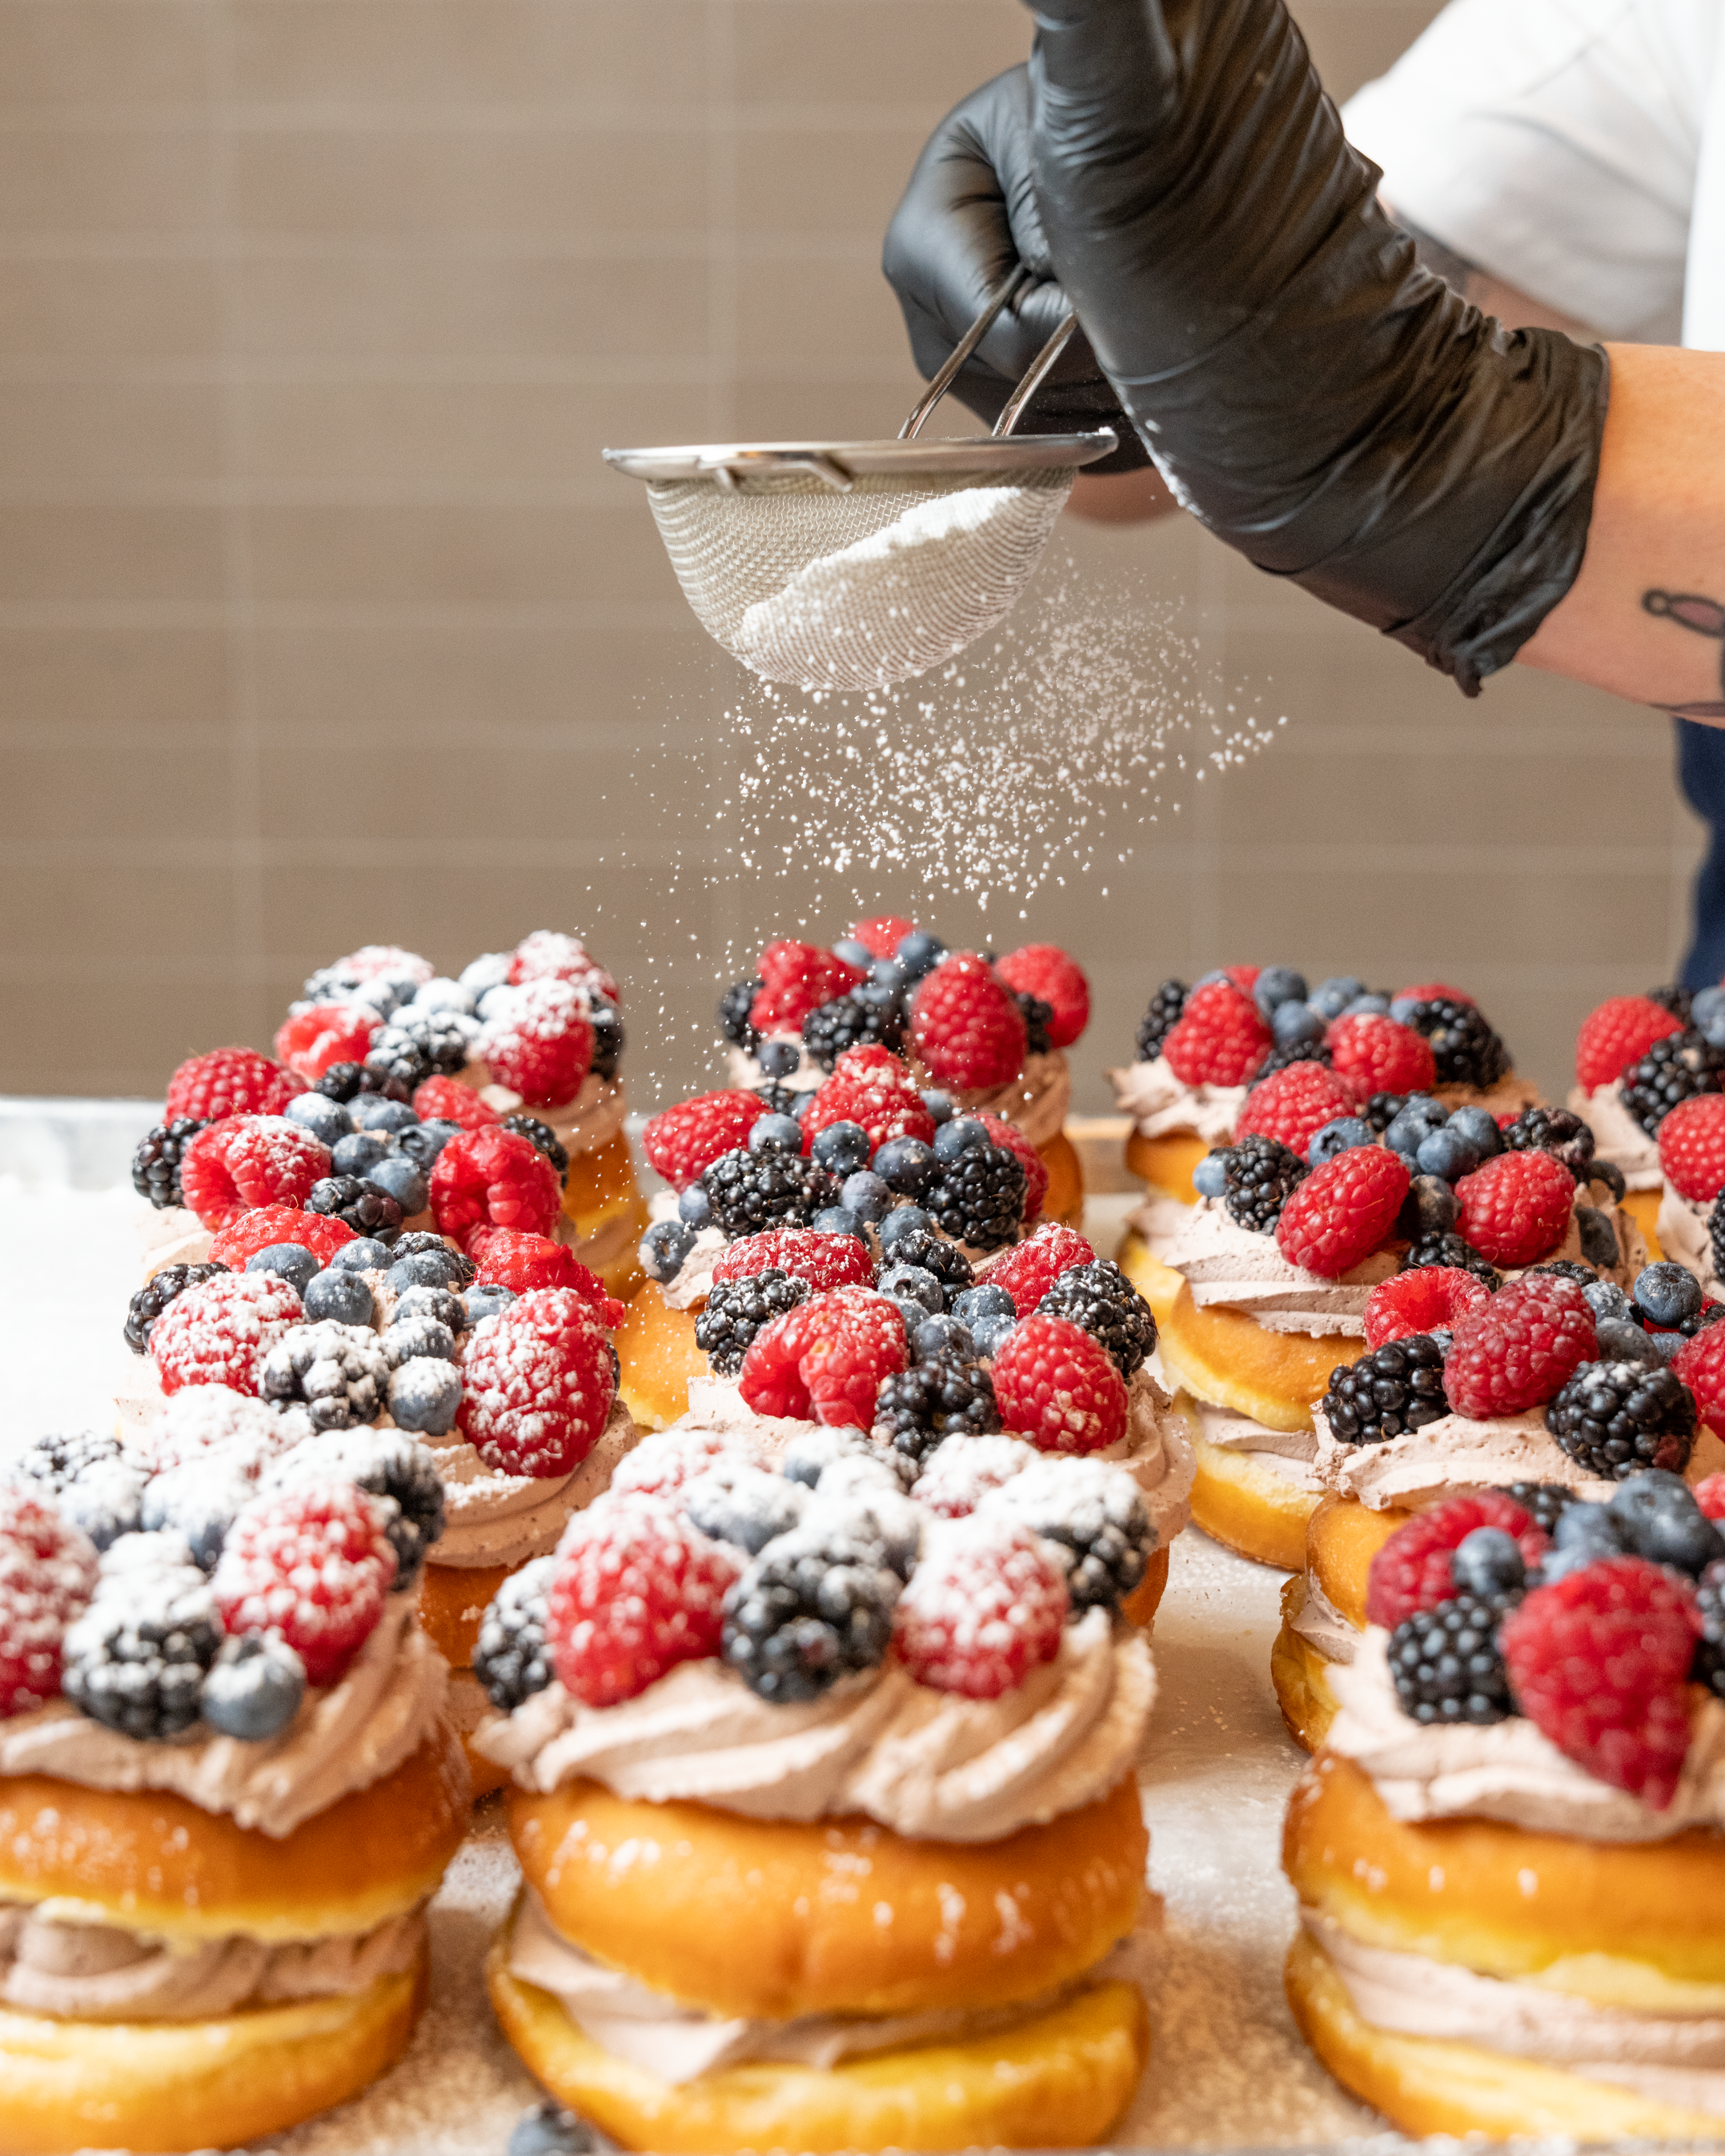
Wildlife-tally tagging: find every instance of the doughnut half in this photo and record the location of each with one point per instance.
(1226, 1357)
(1248, 1508)
(1342, 1538)
(1064, 1198)
(656, 1346)
(1298, 1672)
(1168, 1161)
(1158, 1283)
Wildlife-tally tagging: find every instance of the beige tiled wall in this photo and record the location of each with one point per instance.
(320, 621)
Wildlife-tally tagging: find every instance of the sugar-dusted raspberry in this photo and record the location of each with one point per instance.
(312, 1040)
(1057, 1386)
(537, 1384)
(661, 1464)
(797, 979)
(219, 1333)
(374, 962)
(247, 1233)
(1035, 1167)
(986, 1605)
(1710, 1496)
(448, 1100)
(1380, 1055)
(1598, 1661)
(548, 955)
(1519, 1349)
(634, 1590)
(1700, 1362)
(1691, 1146)
(1435, 1298)
(869, 1087)
(506, 1257)
(1028, 1270)
(1342, 1211)
(882, 933)
(1515, 1209)
(1619, 1033)
(963, 1469)
(1219, 1038)
(808, 1254)
(1412, 1571)
(538, 1040)
(967, 1027)
(682, 1141)
(825, 1360)
(494, 1178)
(230, 1081)
(311, 1563)
(1046, 971)
(1293, 1104)
(48, 1573)
(247, 1161)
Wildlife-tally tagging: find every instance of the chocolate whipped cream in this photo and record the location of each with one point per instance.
(493, 1518)
(1226, 1265)
(1158, 1223)
(1035, 1102)
(1684, 1234)
(1618, 1137)
(744, 1071)
(1447, 1457)
(1308, 1611)
(591, 1120)
(1158, 1102)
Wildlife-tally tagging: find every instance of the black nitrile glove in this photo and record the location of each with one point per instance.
(969, 218)
(1323, 404)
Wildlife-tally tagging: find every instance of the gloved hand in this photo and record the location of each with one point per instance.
(1324, 404)
(969, 218)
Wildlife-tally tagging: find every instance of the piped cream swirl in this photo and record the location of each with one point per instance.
(1159, 1102)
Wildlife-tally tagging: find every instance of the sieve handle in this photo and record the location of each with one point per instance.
(962, 350)
(1035, 376)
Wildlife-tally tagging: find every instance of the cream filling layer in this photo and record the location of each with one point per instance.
(174, 1236)
(1159, 1102)
(1320, 1624)
(493, 1518)
(1158, 1223)
(1224, 1263)
(1290, 1451)
(1618, 1137)
(1448, 1456)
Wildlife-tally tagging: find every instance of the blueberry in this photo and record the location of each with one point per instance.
(942, 1336)
(776, 1134)
(1435, 1209)
(866, 1195)
(105, 1502)
(1479, 1126)
(1706, 1014)
(1277, 985)
(906, 1165)
(1599, 1237)
(1403, 1007)
(938, 1104)
(800, 1107)
(423, 1142)
(1294, 1023)
(442, 1306)
(1606, 1299)
(1209, 980)
(915, 1282)
(1210, 1178)
(919, 953)
(1331, 997)
(989, 1333)
(1420, 1115)
(1488, 1563)
(1368, 1006)
(419, 1334)
(1557, 1563)
(1658, 1517)
(777, 1059)
(903, 1220)
(887, 975)
(1668, 1293)
(1621, 1340)
(328, 1121)
(1445, 1152)
(290, 1261)
(695, 1207)
(445, 994)
(359, 1152)
(363, 1254)
(837, 1220)
(854, 954)
(254, 1687)
(491, 969)
(841, 1148)
(963, 1134)
(423, 1395)
(480, 1303)
(199, 1501)
(664, 1247)
(440, 1268)
(405, 1182)
(549, 2130)
(375, 1113)
(1591, 1527)
(1341, 1135)
(971, 1305)
(1667, 1346)
(343, 1298)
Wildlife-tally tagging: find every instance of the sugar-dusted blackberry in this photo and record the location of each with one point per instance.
(1446, 1664)
(544, 1141)
(1397, 1387)
(1465, 1049)
(1541, 1501)
(1715, 1236)
(1615, 1418)
(734, 1008)
(751, 1191)
(1709, 1668)
(421, 1042)
(1567, 1269)
(1102, 1300)
(737, 1310)
(1553, 1131)
(1037, 1015)
(56, 1460)
(1160, 1018)
(1381, 1110)
(135, 1659)
(1259, 1176)
(1677, 1068)
(853, 1021)
(155, 1164)
(154, 1296)
(1094, 1514)
(509, 1656)
(812, 1608)
(1293, 1051)
(1679, 1002)
(341, 1372)
(916, 1247)
(1451, 1249)
(977, 1196)
(367, 1210)
(943, 1397)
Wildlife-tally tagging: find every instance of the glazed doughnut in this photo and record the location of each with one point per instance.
(1300, 1675)
(452, 1601)
(1060, 2078)
(656, 1346)
(1158, 1283)
(1248, 1508)
(151, 1860)
(1342, 1538)
(1227, 1359)
(1064, 1198)
(771, 1919)
(1168, 1160)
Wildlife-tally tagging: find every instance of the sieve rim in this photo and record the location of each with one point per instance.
(840, 462)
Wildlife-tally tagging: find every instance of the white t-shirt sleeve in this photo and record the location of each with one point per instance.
(1555, 143)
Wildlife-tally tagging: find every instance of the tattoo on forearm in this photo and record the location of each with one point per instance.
(1706, 618)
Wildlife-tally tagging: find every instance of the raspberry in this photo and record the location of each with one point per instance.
(985, 1606)
(1691, 1146)
(1243, 978)
(1700, 1362)
(1619, 1033)
(1515, 1210)
(248, 1233)
(1057, 1386)
(684, 1140)
(448, 1100)
(374, 962)
(968, 1029)
(883, 933)
(247, 1161)
(312, 1564)
(1431, 992)
(1710, 1496)
(871, 1086)
(494, 1178)
(825, 1360)
(797, 979)
(1598, 1661)
(1044, 970)
(1435, 1296)
(1412, 1571)
(540, 1043)
(230, 1081)
(1520, 1348)
(634, 1590)
(1028, 1270)
(1220, 1038)
(1383, 1056)
(312, 1039)
(1342, 1211)
(824, 1261)
(662, 1463)
(537, 1384)
(507, 1258)
(547, 955)
(1294, 1103)
(219, 1333)
(48, 1573)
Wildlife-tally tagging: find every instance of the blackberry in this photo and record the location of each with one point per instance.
(737, 1310)
(1451, 1249)
(1709, 1668)
(734, 1008)
(1567, 1269)
(1674, 1069)
(1036, 1015)
(367, 1210)
(934, 1254)
(609, 1038)
(1615, 1419)
(1715, 1236)
(135, 1661)
(1446, 1664)
(1467, 1052)
(509, 1656)
(1679, 1002)
(944, 1398)
(341, 1372)
(811, 1609)
(343, 1082)
(1102, 1300)
(1259, 1176)
(851, 1022)
(1095, 1518)
(978, 1197)
(1293, 1051)
(155, 1164)
(544, 1141)
(154, 1296)
(1381, 1110)
(1554, 1130)
(389, 1464)
(750, 1191)
(1397, 1387)
(1166, 1006)
(1541, 1501)
(778, 1100)
(56, 1461)
(421, 1043)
